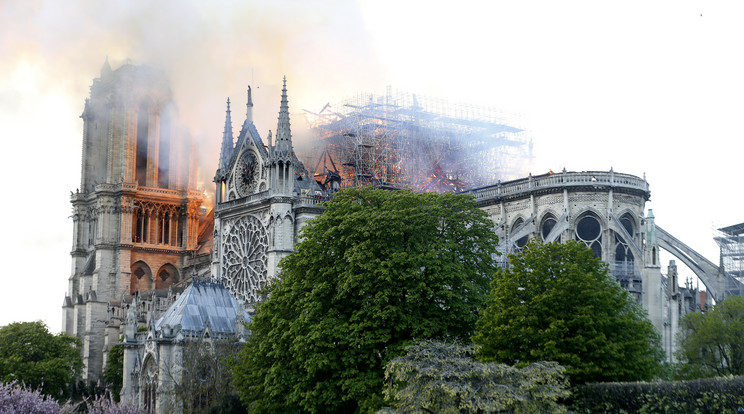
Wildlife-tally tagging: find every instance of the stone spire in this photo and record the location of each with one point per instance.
(652, 244)
(249, 107)
(283, 131)
(106, 71)
(131, 326)
(227, 139)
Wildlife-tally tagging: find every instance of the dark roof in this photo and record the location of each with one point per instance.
(201, 302)
(734, 230)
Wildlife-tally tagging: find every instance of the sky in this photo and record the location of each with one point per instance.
(654, 88)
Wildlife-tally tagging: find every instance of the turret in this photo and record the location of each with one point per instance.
(283, 147)
(652, 245)
(106, 71)
(131, 327)
(227, 142)
(652, 295)
(249, 107)
(281, 154)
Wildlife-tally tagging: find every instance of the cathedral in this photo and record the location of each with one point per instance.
(264, 195)
(153, 268)
(139, 224)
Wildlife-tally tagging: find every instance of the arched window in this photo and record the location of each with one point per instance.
(149, 384)
(623, 267)
(143, 127)
(164, 228)
(547, 226)
(92, 231)
(164, 149)
(627, 223)
(589, 231)
(139, 225)
(623, 254)
(522, 241)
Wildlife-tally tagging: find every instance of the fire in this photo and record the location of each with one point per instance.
(389, 142)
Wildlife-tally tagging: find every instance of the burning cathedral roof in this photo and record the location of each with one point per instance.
(407, 141)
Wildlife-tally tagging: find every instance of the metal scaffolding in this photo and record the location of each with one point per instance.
(403, 140)
(731, 242)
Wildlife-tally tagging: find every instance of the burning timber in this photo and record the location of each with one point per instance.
(403, 140)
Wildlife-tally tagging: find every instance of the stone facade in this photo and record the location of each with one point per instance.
(156, 376)
(604, 210)
(141, 233)
(264, 196)
(137, 212)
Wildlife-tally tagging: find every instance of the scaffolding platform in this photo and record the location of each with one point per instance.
(402, 140)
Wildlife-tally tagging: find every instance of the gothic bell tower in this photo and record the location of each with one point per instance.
(136, 213)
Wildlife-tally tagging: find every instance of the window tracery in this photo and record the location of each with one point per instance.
(589, 231)
(153, 223)
(150, 384)
(244, 258)
(623, 266)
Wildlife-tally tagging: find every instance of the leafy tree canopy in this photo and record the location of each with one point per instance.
(113, 374)
(712, 343)
(437, 377)
(557, 302)
(374, 271)
(31, 354)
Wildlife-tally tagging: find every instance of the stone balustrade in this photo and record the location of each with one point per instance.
(557, 181)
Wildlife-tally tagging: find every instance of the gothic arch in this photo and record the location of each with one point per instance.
(167, 275)
(631, 216)
(149, 383)
(588, 229)
(548, 221)
(623, 250)
(141, 278)
(517, 225)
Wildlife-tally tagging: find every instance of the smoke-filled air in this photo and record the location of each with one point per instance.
(494, 91)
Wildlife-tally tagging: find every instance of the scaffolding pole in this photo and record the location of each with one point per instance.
(403, 140)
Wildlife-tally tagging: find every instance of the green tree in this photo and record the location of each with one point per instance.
(31, 354)
(557, 302)
(712, 343)
(376, 270)
(438, 377)
(113, 374)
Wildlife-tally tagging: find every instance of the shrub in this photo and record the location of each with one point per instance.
(17, 398)
(704, 396)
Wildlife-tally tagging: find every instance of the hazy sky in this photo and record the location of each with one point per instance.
(643, 87)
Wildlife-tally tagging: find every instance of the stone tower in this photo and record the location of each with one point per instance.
(136, 213)
(264, 196)
(653, 293)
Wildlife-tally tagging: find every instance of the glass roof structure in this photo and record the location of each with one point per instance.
(202, 303)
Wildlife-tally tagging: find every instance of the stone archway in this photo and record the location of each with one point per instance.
(141, 278)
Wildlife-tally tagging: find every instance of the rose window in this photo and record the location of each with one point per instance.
(244, 258)
(589, 231)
